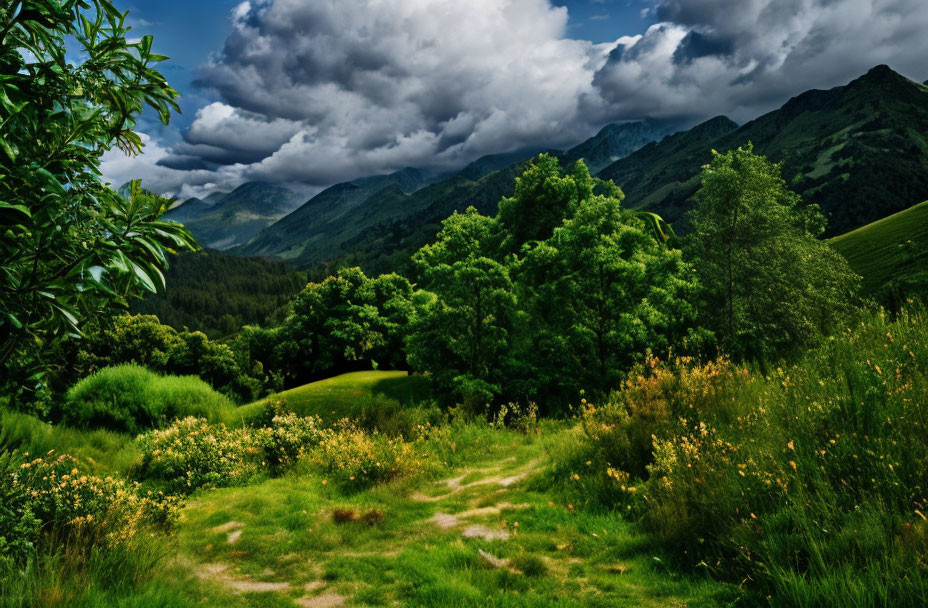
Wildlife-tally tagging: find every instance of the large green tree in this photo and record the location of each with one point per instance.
(599, 293)
(344, 322)
(464, 332)
(769, 285)
(71, 86)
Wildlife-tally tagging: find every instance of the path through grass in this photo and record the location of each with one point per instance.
(486, 536)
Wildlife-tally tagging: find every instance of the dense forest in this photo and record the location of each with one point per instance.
(219, 294)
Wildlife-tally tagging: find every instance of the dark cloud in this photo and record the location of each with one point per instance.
(318, 92)
(695, 45)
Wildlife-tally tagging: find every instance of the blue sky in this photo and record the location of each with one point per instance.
(309, 93)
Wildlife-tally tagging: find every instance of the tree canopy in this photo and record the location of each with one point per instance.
(768, 284)
(71, 87)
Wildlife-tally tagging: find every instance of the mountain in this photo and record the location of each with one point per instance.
(616, 141)
(860, 151)
(890, 254)
(224, 220)
(378, 221)
(665, 174)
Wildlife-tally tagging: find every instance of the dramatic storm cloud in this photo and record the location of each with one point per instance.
(321, 91)
(743, 57)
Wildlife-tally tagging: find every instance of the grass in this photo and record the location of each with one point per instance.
(354, 395)
(286, 533)
(103, 452)
(893, 248)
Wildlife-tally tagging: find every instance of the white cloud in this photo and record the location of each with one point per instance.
(321, 91)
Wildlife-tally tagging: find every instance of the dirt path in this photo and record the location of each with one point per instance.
(478, 534)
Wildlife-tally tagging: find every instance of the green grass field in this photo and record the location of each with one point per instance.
(488, 535)
(893, 248)
(351, 395)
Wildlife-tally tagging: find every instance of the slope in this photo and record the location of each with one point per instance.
(377, 222)
(235, 217)
(890, 254)
(860, 151)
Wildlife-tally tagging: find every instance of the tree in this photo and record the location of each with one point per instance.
(72, 248)
(143, 340)
(600, 293)
(344, 322)
(769, 285)
(463, 334)
(542, 199)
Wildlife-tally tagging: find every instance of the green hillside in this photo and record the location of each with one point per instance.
(217, 293)
(377, 222)
(665, 174)
(351, 395)
(890, 254)
(226, 220)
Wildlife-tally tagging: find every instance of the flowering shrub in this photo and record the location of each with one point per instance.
(651, 401)
(50, 497)
(193, 454)
(806, 481)
(287, 438)
(356, 458)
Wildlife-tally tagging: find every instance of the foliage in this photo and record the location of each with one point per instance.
(599, 293)
(193, 454)
(218, 293)
(356, 458)
(543, 198)
(769, 286)
(347, 321)
(463, 333)
(131, 399)
(72, 249)
(797, 482)
(562, 291)
(48, 500)
(145, 341)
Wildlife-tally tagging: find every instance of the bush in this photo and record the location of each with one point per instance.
(143, 340)
(194, 454)
(47, 500)
(808, 481)
(356, 458)
(131, 399)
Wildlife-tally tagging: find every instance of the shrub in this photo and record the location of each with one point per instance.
(130, 399)
(194, 454)
(287, 439)
(807, 481)
(358, 459)
(49, 500)
(654, 398)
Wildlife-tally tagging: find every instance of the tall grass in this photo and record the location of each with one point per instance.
(806, 484)
(102, 452)
(130, 398)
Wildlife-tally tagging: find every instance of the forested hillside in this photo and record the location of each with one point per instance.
(217, 293)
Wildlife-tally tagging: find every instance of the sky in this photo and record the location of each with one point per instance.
(308, 93)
